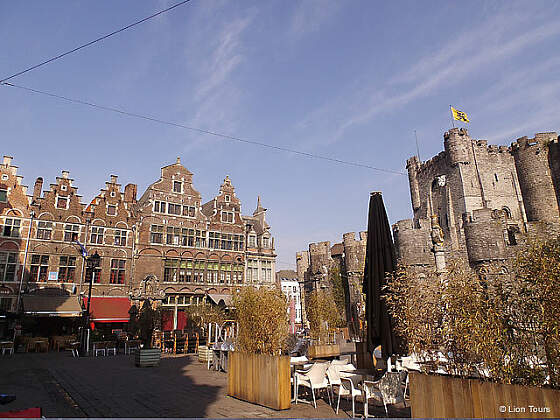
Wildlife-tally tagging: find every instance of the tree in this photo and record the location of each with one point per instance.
(322, 314)
(262, 316)
(147, 323)
(501, 322)
(337, 290)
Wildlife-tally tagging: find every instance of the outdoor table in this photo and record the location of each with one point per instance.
(38, 343)
(131, 344)
(294, 366)
(6, 345)
(364, 373)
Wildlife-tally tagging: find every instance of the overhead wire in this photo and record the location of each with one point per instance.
(200, 130)
(87, 44)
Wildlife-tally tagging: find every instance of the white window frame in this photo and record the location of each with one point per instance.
(116, 206)
(173, 187)
(58, 197)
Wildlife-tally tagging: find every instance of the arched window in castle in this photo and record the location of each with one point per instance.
(507, 212)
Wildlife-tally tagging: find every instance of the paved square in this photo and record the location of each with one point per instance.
(112, 386)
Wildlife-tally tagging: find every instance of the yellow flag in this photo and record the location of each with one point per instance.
(459, 115)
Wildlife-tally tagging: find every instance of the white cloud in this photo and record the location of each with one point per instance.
(465, 55)
(310, 15)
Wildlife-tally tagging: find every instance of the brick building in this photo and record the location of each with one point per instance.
(169, 239)
(479, 202)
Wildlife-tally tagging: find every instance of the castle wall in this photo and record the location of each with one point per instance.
(413, 244)
(488, 198)
(535, 177)
(484, 236)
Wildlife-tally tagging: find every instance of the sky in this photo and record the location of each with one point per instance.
(349, 80)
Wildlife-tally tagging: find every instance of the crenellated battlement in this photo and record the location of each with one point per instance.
(434, 162)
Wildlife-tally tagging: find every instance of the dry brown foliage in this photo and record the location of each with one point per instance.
(263, 320)
(201, 315)
(502, 322)
(322, 314)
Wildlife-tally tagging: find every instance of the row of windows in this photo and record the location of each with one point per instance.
(173, 235)
(195, 238)
(11, 228)
(174, 209)
(67, 270)
(198, 271)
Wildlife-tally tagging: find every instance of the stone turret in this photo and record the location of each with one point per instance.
(484, 235)
(535, 177)
(413, 243)
(456, 142)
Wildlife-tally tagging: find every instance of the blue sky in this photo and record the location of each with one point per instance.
(345, 79)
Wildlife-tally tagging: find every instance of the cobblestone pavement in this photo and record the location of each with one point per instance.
(64, 386)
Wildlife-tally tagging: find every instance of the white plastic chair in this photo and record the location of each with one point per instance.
(314, 378)
(8, 348)
(111, 346)
(99, 348)
(347, 389)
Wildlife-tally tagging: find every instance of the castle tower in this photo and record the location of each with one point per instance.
(535, 178)
(456, 143)
(484, 236)
(413, 245)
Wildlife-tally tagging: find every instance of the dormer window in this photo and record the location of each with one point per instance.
(62, 203)
(177, 186)
(63, 187)
(5, 177)
(265, 242)
(227, 216)
(227, 198)
(3, 196)
(252, 242)
(111, 210)
(113, 193)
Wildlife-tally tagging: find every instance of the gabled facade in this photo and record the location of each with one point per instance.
(195, 252)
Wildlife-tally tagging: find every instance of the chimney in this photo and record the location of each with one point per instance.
(130, 193)
(7, 160)
(114, 179)
(38, 189)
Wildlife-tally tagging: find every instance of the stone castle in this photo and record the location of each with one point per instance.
(479, 202)
(347, 257)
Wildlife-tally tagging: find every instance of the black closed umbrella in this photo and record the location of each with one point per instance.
(380, 259)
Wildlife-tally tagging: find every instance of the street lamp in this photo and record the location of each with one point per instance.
(91, 263)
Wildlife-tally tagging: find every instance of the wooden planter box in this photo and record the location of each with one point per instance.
(320, 351)
(260, 379)
(204, 354)
(442, 396)
(147, 357)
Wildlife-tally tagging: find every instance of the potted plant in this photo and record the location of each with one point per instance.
(258, 371)
(323, 316)
(147, 355)
(495, 333)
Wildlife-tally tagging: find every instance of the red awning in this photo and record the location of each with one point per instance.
(109, 309)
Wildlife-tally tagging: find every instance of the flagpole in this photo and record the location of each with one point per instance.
(417, 147)
(451, 111)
